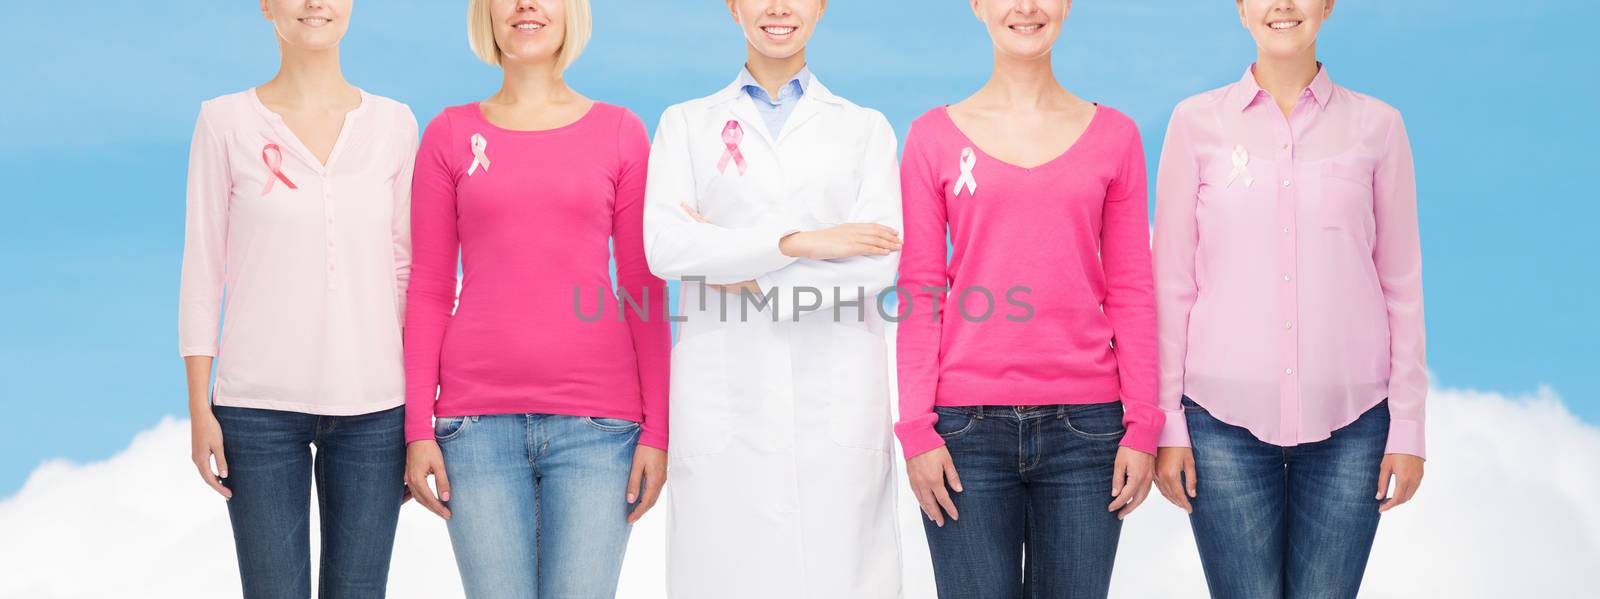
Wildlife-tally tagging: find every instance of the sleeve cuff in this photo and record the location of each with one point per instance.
(1142, 437)
(1406, 436)
(918, 440)
(1175, 431)
(652, 438)
(418, 432)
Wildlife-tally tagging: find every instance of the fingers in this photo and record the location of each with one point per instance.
(951, 476)
(694, 214)
(1171, 487)
(634, 478)
(202, 463)
(1405, 488)
(930, 506)
(424, 495)
(1143, 491)
(1189, 478)
(942, 496)
(1118, 476)
(441, 479)
(654, 480)
(1384, 473)
(222, 461)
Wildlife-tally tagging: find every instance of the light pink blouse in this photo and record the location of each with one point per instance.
(1288, 265)
(307, 261)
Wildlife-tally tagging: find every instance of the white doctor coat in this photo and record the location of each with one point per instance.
(780, 467)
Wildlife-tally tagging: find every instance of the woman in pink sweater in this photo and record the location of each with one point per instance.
(1027, 360)
(539, 403)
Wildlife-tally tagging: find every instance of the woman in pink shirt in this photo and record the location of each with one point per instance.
(1027, 359)
(1289, 287)
(535, 398)
(298, 202)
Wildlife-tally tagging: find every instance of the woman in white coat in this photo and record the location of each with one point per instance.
(778, 205)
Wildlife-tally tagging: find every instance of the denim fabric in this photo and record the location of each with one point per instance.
(1036, 484)
(359, 470)
(538, 503)
(1291, 522)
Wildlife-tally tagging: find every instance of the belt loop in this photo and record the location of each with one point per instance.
(1061, 411)
(979, 410)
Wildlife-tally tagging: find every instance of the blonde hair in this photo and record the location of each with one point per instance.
(480, 32)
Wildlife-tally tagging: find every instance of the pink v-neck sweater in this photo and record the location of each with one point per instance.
(532, 216)
(1068, 239)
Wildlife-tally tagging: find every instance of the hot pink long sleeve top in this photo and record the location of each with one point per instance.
(532, 216)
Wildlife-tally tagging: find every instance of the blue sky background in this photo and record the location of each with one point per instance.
(95, 122)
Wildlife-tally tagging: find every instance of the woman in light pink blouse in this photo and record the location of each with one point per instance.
(1289, 309)
(297, 230)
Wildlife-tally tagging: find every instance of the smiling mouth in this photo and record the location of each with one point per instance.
(779, 30)
(314, 21)
(1283, 25)
(1027, 27)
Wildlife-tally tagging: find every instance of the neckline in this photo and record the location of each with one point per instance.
(293, 139)
(1094, 120)
(476, 108)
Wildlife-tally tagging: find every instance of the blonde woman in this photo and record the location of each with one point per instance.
(543, 427)
(297, 207)
(775, 188)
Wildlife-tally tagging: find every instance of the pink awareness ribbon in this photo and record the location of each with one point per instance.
(732, 136)
(273, 156)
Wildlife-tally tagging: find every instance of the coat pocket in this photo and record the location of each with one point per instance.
(858, 398)
(698, 408)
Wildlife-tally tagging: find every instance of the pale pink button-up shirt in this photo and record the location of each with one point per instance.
(309, 262)
(1288, 266)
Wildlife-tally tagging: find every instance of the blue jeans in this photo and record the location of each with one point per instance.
(538, 503)
(1036, 480)
(1285, 522)
(359, 469)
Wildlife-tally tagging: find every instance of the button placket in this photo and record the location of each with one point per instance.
(329, 229)
(1288, 292)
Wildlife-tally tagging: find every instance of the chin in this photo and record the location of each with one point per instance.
(782, 53)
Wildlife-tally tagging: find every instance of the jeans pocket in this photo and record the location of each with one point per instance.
(1096, 422)
(448, 428)
(611, 425)
(953, 422)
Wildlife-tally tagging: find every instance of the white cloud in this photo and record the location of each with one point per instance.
(1508, 509)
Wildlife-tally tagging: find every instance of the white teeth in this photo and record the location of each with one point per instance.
(529, 26)
(778, 30)
(314, 21)
(1027, 28)
(1283, 24)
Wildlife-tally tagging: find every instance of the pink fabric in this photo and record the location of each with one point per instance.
(532, 233)
(1291, 304)
(311, 274)
(1074, 232)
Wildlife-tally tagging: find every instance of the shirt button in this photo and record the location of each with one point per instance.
(1286, 230)
(1285, 182)
(1285, 146)
(1287, 278)
(1289, 371)
(1287, 325)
